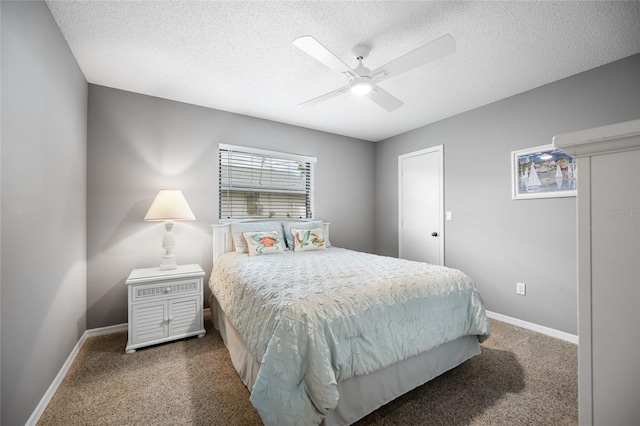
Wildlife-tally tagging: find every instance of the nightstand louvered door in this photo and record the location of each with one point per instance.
(149, 322)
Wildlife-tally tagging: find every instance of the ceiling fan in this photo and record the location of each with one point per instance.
(362, 80)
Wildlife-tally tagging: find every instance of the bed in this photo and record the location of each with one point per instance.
(325, 335)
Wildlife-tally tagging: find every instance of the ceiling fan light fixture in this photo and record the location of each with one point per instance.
(362, 80)
(361, 85)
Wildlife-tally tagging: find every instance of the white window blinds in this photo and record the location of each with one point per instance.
(261, 184)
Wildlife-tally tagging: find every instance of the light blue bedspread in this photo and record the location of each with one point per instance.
(315, 318)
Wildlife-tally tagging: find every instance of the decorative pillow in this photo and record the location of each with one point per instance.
(301, 225)
(237, 228)
(308, 239)
(269, 242)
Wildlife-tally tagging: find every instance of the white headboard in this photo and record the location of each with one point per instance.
(223, 241)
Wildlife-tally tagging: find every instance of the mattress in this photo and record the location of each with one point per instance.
(359, 395)
(311, 320)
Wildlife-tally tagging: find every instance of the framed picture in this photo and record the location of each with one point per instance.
(542, 172)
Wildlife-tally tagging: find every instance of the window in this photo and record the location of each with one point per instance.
(260, 184)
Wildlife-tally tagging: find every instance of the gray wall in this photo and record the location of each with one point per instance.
(139, 144)
(496, 240)
(44, 130)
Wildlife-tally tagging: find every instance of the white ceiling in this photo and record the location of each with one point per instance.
(239, 57)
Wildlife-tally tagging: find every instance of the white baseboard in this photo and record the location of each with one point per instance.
(106, 330)
(42, 405)
(571, 338)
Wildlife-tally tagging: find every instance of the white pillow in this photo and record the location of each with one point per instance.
(263, 242)
(237, 228)
(302, 225)
(308, 239)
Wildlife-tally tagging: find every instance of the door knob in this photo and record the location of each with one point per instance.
(434, 234)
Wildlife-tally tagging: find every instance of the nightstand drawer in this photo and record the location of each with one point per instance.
(167, 288)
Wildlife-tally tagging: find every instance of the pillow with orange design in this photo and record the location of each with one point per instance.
(263, 242)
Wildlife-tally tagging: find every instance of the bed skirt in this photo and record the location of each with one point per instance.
(359, 395)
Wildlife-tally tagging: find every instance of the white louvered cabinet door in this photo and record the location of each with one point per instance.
(185, 316)
(164, 305)
(149, 321)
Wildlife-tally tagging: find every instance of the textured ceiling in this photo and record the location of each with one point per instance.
(239, 56)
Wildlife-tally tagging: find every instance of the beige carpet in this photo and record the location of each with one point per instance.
(521, 378)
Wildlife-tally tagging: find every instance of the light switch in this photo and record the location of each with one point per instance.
(449, 216)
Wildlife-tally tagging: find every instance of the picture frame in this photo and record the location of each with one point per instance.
(543, 172)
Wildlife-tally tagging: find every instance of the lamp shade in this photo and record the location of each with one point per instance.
(169, 204)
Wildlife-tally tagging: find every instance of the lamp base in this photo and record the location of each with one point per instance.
(168, 262)
(168, 244)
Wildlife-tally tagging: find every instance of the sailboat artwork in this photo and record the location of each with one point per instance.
(559, 177)
(533, 183)
(543, 172)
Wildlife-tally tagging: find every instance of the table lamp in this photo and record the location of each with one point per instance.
(169, 205)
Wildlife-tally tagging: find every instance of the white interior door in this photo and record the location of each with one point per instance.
(421, 186)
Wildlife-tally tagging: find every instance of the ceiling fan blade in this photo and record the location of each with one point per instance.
(313, 48)
(437, 49)
(385, 99)
(324, 97)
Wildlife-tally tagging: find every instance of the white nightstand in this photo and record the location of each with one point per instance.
(164, 305)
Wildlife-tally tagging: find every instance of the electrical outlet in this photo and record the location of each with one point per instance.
(521, 288)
